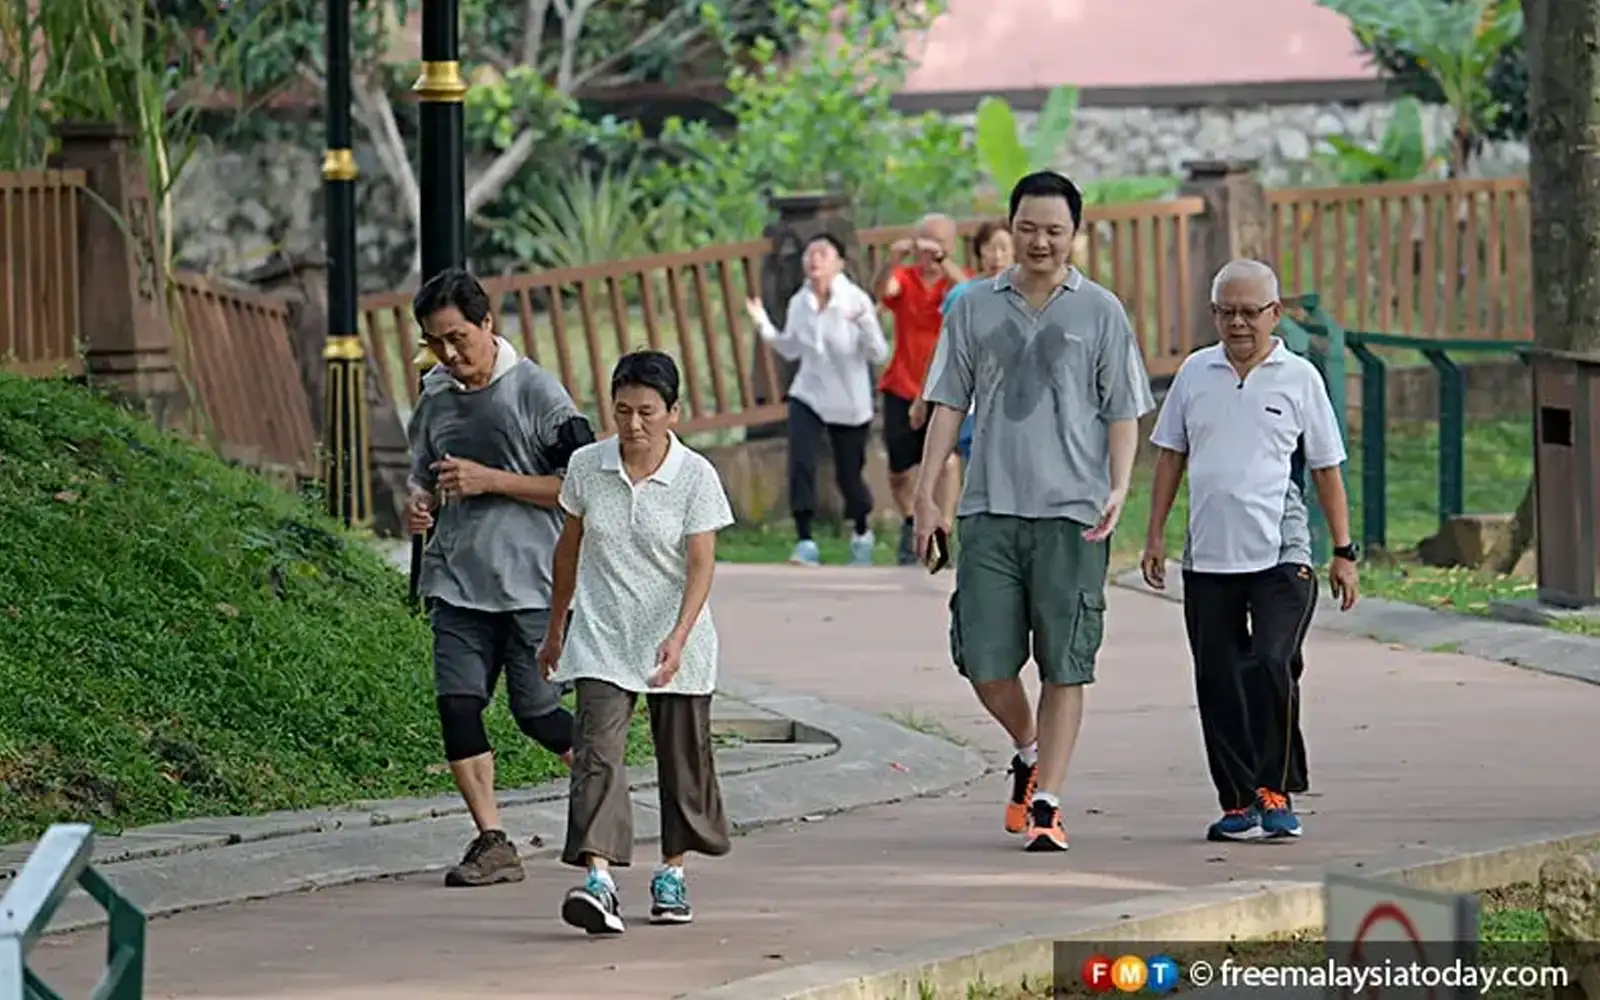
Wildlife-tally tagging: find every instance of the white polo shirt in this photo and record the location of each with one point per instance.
(633, 566)
(1240, 436)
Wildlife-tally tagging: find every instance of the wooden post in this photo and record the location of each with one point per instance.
(129, 344)
(1234, 224)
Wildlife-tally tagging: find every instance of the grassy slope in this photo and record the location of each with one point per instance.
(177, 638)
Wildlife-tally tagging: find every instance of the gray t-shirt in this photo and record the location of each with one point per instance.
(1043, 388)
(491, 553)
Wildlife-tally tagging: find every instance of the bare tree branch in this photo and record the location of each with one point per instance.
(644, 38)
(500, 172)
(572, 17)
(377, 115)
(533, 30)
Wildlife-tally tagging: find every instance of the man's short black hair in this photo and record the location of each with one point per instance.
(832, 241)
(647, 370)
(1048, 184)
(453, 286)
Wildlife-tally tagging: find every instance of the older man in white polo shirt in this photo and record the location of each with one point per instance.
(1234, 417)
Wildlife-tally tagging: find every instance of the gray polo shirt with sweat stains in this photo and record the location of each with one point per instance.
(1043, 387)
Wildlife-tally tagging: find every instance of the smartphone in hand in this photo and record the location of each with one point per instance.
(938, 551)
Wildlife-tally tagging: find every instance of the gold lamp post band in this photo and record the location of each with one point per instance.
(339, 165)
(441, 83)
(347, 467)
(344, 349)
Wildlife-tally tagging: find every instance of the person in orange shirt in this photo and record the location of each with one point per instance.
(912, 285)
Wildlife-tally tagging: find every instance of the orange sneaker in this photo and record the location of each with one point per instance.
(1023, 779)
(1045, 832)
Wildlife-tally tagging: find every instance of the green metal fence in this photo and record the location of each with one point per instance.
(61, 861)
(1308, 330)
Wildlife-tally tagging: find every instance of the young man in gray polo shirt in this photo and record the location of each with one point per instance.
(1234, 417)
(1050, 360)
(490, 439)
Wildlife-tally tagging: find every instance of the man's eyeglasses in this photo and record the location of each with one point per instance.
(1247, 313)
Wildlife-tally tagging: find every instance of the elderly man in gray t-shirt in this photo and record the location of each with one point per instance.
(1050, 365)
(490, 439)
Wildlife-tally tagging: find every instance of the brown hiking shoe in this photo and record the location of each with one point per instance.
(490, 860)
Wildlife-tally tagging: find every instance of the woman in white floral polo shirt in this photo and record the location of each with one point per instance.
(634, 564)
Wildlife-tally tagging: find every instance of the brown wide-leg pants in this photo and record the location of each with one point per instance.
(599, 812)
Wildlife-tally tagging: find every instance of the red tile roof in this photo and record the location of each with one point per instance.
(998, 45)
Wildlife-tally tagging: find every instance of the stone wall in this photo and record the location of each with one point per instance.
(240, 198)
(1123, 142)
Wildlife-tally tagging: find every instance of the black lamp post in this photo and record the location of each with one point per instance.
(442, 176)
(346, 472)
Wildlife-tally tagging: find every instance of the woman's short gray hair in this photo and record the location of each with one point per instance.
(1245, 269)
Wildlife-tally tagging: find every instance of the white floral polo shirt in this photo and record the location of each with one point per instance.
(633, 565)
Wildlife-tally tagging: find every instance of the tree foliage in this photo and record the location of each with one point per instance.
(819, 118)
(1466, 54)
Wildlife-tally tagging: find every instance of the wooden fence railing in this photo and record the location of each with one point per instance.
(1439, 259)
(578, 321)
(234, 347)
(39, 271)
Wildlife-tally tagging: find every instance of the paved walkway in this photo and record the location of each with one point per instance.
(1407, 749)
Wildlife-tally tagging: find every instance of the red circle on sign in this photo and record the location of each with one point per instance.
(1383, 913)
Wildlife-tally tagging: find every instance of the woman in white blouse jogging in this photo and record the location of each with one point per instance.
(634, 565)
(832, 329)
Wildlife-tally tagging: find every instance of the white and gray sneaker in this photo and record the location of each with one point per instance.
(861, 549)
(593, 906)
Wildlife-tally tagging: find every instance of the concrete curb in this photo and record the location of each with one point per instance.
(876, 761)
(1011, 952)
(1532, 647)
(787, 742)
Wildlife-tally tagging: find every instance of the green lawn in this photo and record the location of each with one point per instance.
(1499, 462)
(1511, 931)
(180, 639)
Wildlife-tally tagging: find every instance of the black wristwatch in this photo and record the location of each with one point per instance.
(1346, 552)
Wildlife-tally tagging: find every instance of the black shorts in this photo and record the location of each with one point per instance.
(472, 649)
(903, 443)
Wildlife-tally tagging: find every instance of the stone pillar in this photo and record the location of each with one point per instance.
(129, 345)
(800, 219)
(301, 279)
(1234, 224)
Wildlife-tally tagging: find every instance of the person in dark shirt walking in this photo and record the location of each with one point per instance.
(490, 439)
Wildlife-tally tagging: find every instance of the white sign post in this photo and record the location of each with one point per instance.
(1371, 923)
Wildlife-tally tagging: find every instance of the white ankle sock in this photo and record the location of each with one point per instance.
(1054, 802)
(603, 875)
(1029, 753)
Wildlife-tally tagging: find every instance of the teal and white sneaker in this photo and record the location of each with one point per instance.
(861, 549)
(594, 906)
(669, 899)
(806, 554)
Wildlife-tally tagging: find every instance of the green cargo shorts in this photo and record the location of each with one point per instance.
(1021, 583)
